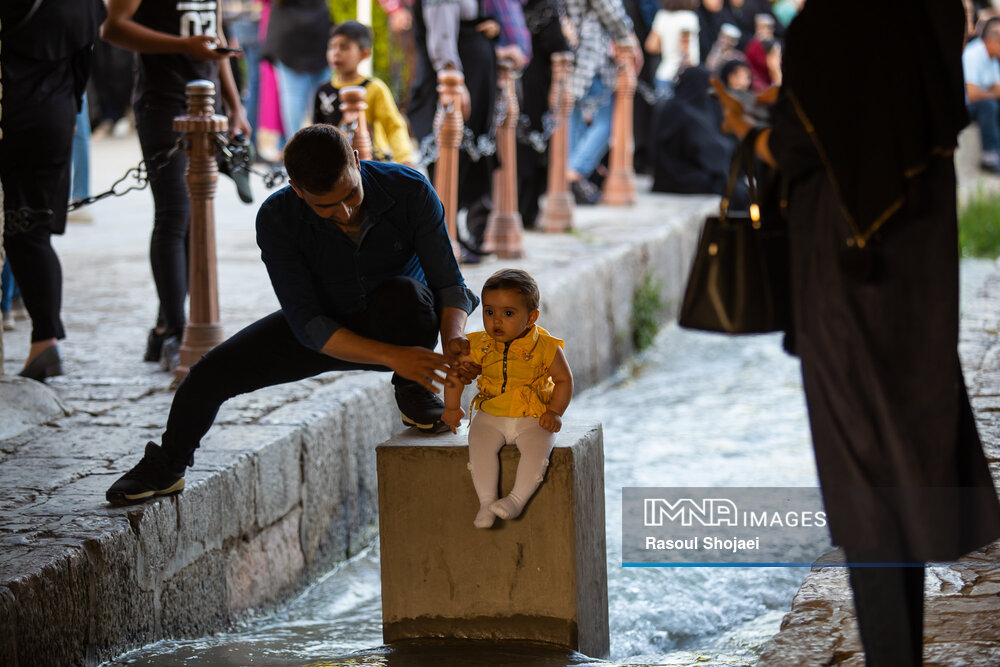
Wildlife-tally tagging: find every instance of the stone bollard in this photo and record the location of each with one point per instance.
(504, 228)
(541, 577)
(619, 189)
(557, 211)
(352, 106)
(449, 125)
(203, 331)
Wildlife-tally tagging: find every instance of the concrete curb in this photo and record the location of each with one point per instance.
(284, 484)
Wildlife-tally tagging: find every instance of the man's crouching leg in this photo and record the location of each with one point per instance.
(401, 311)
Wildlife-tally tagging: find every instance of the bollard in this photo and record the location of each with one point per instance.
(619, 189)
(504, 229)
(449, 125)
(198, 127)
(352, 106)
(557, 211)
(541, 577)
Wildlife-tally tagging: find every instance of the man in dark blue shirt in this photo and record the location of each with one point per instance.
(360, 259)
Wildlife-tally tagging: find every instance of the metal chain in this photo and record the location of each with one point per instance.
(141, 174)
(237, 156)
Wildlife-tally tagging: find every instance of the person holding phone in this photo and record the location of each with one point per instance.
(177, 42)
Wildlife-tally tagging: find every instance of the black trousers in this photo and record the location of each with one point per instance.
(889, 603)
(38, 273)
(168, 245)
(401, 311)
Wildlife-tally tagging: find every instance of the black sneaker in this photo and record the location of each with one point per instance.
(420, 408)
(584, 192)
(152, 476)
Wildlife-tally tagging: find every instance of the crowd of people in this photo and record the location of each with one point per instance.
(288, 61)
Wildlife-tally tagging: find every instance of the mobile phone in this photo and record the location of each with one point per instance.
(226, 49)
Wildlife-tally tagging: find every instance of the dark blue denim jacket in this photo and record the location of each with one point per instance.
(320, 275)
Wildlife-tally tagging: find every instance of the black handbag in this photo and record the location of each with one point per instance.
(739, 282)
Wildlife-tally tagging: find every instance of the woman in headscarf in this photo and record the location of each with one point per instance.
(867, 152)
(691, 154)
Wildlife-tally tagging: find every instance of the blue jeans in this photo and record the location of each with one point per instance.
(245, 33)
(81, 154)
(986, 115)
(8, 288)
(589, 143)
(296, 91)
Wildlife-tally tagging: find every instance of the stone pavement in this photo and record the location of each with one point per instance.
(284, 483)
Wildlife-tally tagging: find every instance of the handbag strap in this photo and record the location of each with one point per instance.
(744, 159)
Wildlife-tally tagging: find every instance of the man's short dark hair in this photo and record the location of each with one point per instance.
(991, 29)
(316, 157)
(515, 280)
(358, 33)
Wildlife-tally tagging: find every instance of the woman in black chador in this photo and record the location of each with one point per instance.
(865, 137)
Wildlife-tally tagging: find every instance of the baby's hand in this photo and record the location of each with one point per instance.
(550, 421)
(453, 417)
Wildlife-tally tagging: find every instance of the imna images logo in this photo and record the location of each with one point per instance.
(723, 512)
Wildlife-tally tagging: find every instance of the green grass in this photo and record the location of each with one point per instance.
(979, 226)
(646, 309)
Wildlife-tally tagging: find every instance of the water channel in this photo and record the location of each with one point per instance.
(693, 410)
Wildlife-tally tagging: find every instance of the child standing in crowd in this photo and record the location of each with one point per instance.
(350, 43)
(524, 389)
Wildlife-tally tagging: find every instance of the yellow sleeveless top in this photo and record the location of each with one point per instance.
(515, 381)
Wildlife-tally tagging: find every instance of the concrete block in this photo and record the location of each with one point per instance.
(260, 569)
(541, 577)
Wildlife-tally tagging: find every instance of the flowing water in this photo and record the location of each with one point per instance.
(694, 410)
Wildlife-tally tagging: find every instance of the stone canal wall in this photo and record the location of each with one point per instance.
(284, 484)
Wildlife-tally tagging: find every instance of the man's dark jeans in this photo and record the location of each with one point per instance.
(400, 311)
(986, 115)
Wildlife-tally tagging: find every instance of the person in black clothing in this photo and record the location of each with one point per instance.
(46, 57)
(542, 19)
(691, 154)
(455, 34)
(176, 45)
(874, 275)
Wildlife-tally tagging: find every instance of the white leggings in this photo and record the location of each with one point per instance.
(488, 434)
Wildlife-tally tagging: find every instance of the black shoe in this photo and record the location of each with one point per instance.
(154, 345)
(990, 167)
(154, 475)
(585, 193)
(170, 353)
(45, 365)
(420, 408)
(238, 168)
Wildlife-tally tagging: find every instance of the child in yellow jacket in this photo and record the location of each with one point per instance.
(351, 43)
(525, 387)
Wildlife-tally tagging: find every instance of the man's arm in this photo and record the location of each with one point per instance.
(238, 123)
(977, 94)
(419, 364)
(123, 31)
